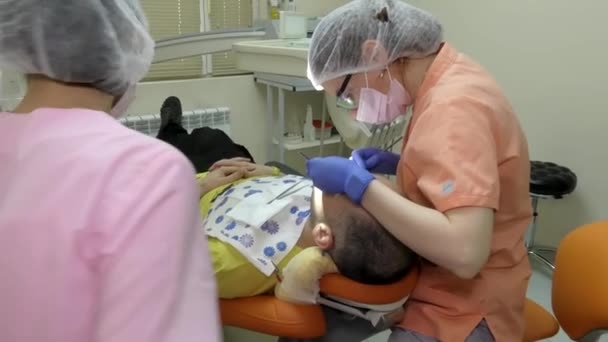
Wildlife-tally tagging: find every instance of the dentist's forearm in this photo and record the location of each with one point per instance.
(392, 185)
(426, 231)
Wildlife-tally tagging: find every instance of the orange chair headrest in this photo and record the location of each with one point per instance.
(269, 315)
(345, 288)
(580, 281)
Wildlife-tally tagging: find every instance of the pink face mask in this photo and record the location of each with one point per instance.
(375, 107)
(120, 108)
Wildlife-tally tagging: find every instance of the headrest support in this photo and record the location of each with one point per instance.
(342, 287)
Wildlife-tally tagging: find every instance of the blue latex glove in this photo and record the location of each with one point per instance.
(376, 160)
(336, 175)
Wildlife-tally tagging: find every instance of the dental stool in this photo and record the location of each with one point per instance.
(580, 283)
(547, 181)
(382, 305)
(540, 323)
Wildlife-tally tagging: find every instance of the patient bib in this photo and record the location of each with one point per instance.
(262, 218)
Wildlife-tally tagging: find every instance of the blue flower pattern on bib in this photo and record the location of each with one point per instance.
(271, 227)
(269, 251)
(231, 226)
(248, 237)
(246, 240)
(281, 246)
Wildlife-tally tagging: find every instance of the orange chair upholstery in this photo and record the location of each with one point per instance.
(580, 281)
(269, 315)
(540, 324)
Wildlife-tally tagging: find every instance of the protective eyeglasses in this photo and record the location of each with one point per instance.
(344, 100)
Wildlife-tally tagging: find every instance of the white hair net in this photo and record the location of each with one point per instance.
(400, 29)
(104, 43)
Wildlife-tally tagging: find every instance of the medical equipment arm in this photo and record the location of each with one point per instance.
(156, 280)
(458, 240)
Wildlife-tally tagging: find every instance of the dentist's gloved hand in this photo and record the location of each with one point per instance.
(376, 160)
(336, 175)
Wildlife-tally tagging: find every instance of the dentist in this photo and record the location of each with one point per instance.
(461, 199)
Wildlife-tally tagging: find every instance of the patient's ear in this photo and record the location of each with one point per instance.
(323, 236)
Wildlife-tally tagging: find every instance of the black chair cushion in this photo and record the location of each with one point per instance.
(550, 179)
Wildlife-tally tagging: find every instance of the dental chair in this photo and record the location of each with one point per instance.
(580, 289)
(540, 323)
(382, 305)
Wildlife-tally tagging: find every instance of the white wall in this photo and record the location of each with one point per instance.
(551, 57)
(317, 8)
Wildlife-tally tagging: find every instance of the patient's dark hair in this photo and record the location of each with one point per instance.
(366, 252)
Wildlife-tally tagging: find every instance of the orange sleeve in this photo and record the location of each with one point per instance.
(452, 151)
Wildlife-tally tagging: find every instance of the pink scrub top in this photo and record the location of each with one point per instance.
(99, 237)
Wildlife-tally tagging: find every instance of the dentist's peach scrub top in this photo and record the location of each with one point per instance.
(466, 148)
(99, 234)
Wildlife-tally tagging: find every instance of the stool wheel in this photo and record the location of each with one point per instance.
(550, 179)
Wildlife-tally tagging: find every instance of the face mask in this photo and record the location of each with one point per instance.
(376, 107)
(120, 108)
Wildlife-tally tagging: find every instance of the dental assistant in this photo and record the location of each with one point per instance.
(461, 199)
(99, 224)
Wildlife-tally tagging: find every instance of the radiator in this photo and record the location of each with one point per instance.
(149, 124)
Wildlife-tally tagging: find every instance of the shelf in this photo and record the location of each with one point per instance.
(286, 57)
(335, 139)
(289, 83)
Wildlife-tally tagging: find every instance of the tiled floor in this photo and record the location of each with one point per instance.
(539, 290)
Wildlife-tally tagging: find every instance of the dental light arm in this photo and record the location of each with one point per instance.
(202, 43)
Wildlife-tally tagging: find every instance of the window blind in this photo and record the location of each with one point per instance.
(171, 18)
(228, 14)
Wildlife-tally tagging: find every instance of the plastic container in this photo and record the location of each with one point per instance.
(292, 26)
(309, 129)
(291, 6)
(274, 9)
(292, 138)
(326, 133)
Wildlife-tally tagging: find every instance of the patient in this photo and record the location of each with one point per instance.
(360, 247)
(257, 220)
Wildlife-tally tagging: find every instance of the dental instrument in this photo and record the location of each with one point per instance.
(390, 147)
(285, 193)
